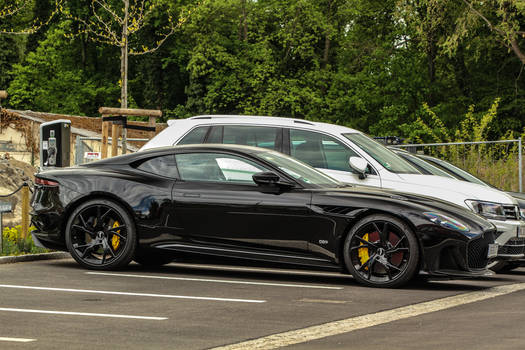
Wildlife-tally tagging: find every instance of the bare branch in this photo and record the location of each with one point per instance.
(107, 27)
(479, 14)
(36, 25)
(106, 7)
(11, 10)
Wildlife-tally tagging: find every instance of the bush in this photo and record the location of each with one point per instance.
(14, 244)
(496, 164)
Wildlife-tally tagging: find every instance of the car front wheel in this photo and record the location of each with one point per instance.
(381, 251)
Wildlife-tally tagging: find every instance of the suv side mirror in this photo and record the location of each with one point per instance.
(359, 165)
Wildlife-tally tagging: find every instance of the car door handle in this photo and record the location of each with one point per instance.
(191, 195)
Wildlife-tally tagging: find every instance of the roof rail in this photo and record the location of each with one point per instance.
(302, 122)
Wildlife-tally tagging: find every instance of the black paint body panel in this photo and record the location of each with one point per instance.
(305, 225)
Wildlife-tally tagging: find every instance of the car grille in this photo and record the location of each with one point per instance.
(477, 251)
(514, 246)
(511, 212)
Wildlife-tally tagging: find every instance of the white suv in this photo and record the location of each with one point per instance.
(349, 156)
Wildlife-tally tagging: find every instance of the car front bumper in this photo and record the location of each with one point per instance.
(511, 244)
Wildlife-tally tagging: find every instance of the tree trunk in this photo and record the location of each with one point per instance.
(124, 59)
(124, 71)
(517, 50)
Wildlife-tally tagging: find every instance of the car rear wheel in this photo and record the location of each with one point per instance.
(100, 235)
(381, 251)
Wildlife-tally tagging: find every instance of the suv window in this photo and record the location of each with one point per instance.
(258, 136)
(320, 151)
(163, 166)
(195, 136)
(216, 167)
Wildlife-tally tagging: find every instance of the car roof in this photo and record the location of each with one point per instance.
(132, 157)
(263, 120)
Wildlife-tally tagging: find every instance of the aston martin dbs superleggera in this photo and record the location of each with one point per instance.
(253, 204)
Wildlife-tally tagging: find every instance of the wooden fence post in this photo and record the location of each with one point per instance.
(114, 139)
(104, 146)
(25, 210)
(3, 96)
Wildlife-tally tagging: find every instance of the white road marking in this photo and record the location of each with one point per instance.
(131, 294)
(215, 280)
(82, 314)
(17, 340)
(365, 321)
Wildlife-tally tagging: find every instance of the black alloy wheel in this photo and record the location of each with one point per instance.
(100, 235)
(381, 251)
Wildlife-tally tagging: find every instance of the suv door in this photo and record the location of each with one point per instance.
(328, 155)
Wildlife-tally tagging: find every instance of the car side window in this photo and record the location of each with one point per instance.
(163, 166)
(216, 167)
(195, 136)
(258, 136)
(320, 151)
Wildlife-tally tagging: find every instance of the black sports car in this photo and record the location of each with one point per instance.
(253, 204)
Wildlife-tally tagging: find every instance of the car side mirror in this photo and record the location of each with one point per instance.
(271, 182)
(359, 165)
(265, 178)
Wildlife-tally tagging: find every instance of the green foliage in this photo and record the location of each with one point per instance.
(14, 244)
(496, 164)
(379, 66)
(52, 80)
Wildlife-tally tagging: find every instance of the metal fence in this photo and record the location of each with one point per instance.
(413, 148)
(88, 149)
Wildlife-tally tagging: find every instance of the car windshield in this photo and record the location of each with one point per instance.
(388, 159)
(299, 170)
(456, 171)
(431, 169)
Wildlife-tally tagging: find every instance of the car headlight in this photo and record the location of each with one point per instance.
(522, 213)
(488, 210)
(446, 221)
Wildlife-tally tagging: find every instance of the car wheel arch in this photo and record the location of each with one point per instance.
(96, 195)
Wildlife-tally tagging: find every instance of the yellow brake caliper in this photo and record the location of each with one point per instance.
(363, 252)
(115, 241)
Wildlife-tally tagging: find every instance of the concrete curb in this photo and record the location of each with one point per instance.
(33, 257)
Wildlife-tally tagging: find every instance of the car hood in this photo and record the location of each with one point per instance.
(394, 200)
(447, 189)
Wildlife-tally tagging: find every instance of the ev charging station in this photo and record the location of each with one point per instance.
(55, 144)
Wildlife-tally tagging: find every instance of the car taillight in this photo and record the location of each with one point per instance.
(45, 182)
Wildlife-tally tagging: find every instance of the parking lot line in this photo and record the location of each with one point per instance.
(365, 321)
(131, 294)
(215, 280)
(89, 314)
(17, 340)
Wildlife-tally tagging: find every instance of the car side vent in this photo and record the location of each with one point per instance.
(335, 209)
(302, 122)
(511, 212)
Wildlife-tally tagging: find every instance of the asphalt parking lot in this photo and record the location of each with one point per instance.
(56, 304)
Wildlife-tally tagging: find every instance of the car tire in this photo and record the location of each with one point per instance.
(381, 251)
(152, 258)
(100, 235)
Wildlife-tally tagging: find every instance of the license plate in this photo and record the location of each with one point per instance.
(493, 250)
(521, 231)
